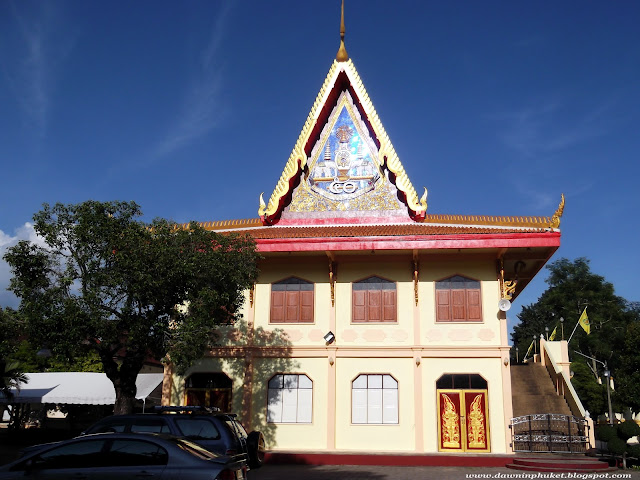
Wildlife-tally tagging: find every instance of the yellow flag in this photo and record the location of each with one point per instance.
(584, 321)
(530, 348)
(553, 334)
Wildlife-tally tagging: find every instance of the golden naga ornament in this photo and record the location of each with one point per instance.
(476, 429)
(450, 424)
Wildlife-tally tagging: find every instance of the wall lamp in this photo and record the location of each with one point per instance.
(329, 338)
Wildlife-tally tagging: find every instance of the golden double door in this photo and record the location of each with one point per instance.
(463, 423)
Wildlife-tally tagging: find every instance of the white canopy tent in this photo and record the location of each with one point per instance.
(77, 388)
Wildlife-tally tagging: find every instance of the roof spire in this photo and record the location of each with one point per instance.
(342, 55)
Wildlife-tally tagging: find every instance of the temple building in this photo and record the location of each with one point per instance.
(374, 325)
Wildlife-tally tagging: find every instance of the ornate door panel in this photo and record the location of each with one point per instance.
(462, 421)
(450, 420)
(477, 424)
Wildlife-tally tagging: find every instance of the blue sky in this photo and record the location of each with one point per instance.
(191, 108)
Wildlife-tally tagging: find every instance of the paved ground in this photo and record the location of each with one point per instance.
(310, 472)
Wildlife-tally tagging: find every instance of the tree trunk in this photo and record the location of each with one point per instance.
(125, 402)
(124, 377)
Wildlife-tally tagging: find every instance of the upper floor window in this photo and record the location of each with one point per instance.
(374, 300)
(374, 399)
(290, 399)
(292, 301)
(458, 300)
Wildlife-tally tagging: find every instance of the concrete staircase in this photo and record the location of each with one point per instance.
(559, 463)
(533, 391)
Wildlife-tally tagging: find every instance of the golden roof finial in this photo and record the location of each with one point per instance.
(555, 220)
(342, 55)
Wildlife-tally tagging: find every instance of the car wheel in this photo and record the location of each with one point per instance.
(256, 449)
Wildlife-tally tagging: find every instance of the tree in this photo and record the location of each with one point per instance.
(10, 370)
(106, 282)
(572, 287)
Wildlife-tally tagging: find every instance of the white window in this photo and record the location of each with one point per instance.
(374, 399)
(290, 399)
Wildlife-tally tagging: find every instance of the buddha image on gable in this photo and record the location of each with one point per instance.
(346, 169)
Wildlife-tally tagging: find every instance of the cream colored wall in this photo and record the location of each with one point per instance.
(375, 334)
(295, 436)
(490, 369)
(311, 269)
(485, 333)
(233, 367)
(369, 438)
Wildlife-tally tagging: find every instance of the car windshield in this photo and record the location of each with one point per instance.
(195, 449)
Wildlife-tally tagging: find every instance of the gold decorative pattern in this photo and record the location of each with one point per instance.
(382, 198)
(297, 159)
(332, 283)
(533, 222)
(555, 220)
(450, 424)
(460, 223)
(507, 287)
(416, 266)
(476, 429)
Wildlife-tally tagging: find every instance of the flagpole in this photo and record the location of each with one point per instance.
(574, 331)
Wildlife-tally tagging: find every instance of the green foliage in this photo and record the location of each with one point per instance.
(606, 432)
(633, 451)
(628, 429)
(617, 446)
(614, 330)
(593, 395)
(109, 283)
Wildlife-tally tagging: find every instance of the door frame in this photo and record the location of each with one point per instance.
(462, 419)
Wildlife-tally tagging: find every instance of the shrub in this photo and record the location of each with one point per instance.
(617, 446)
(628, 429)
(605, 432)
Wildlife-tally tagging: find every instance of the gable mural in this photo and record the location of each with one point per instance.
(344, 171)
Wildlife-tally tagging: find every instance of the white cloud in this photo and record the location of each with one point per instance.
(550, 127)
(201, 109)
(40, 42)
(24, 232)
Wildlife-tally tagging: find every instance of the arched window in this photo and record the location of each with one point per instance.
(374, 399)
(290, 399)
(292, 301)
(374, 300)
(458, 299)
(209, 390)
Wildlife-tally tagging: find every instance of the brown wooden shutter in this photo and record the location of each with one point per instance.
(306, 306)
(474, 305)
(443, 305)
(292, 307)
(389, 308)
(374, 307)
(277, 306)
(458, 305)
(359, 310)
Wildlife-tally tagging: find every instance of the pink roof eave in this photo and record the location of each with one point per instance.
(411, 242)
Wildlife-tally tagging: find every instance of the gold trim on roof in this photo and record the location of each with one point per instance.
(533, 222)
(298, 153)
(555, 220)
(386, 154)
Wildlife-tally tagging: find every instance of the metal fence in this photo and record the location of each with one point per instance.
(549, 432)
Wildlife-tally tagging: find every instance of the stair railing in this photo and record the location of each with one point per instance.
(562, 382)
(550, 432)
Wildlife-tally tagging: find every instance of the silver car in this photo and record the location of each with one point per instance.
(125, 456)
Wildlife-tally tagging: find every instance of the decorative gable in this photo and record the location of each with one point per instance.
(343, 166)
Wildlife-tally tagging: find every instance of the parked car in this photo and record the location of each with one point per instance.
(215, 431)
(125, 456)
